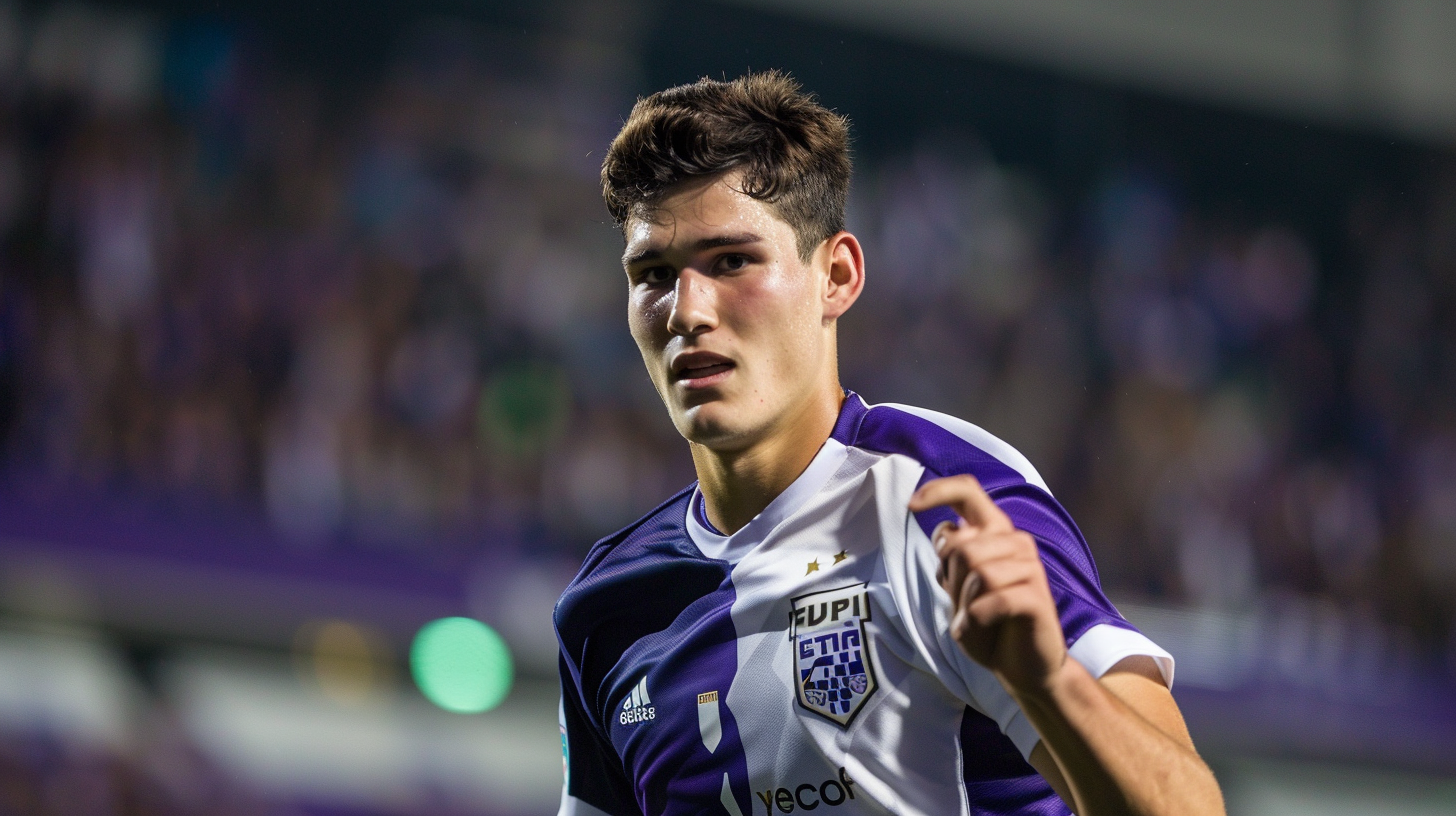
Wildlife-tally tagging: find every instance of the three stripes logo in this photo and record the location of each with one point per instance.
(638, 706)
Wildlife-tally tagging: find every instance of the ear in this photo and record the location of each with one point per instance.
(845, 259)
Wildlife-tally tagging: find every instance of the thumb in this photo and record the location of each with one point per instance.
(964, 495)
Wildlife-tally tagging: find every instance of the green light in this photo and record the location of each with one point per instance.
(461, 665)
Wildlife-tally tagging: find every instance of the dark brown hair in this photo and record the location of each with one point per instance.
(793, 152)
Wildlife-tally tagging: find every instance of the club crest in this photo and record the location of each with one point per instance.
(832, 669)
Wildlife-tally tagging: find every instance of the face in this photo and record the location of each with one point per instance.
(736, 330)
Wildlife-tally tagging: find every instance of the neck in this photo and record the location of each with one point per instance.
(737, 485)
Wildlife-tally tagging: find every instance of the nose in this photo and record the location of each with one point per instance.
(693, 311)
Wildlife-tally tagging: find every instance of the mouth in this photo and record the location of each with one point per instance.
(700, 369)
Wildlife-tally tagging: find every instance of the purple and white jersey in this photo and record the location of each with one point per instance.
(805, 661)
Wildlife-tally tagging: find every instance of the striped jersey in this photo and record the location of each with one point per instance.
(805, 661)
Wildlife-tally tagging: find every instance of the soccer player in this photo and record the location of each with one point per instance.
(869, 609)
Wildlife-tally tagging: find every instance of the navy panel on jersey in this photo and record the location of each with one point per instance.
(645, 629)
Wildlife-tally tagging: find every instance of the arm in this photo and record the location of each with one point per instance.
(594, 783)
(1115, 746)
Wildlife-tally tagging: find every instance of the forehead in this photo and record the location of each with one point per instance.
(701, 208)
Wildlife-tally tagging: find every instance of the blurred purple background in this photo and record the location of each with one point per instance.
(311, 331)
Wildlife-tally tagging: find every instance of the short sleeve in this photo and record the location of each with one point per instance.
(1099, 647)
(944, 445)
(924, 609)
(1097, 635)
(594, 784)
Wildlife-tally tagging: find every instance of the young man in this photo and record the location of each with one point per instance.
(868, 609)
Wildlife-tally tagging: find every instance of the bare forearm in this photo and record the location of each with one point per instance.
(1112, 760)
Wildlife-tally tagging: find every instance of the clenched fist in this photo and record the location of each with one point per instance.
(1002, 612)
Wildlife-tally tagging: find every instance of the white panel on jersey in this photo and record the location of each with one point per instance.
(729, 803)
(1104, 645)
(911, 565)
(901, 758)
(732, 548)
(710, 726)
(977, 436)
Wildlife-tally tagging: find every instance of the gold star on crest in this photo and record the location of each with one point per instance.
(813, 567)
(840, 556)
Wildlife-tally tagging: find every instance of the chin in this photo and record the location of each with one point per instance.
(714, 425)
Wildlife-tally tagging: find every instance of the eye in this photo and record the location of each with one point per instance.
(656, 275)
(732, 262)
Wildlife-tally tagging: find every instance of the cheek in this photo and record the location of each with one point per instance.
(782, 301)
(647, 318)
(787, 306)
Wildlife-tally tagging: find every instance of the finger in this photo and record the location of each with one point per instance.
(963, 552)
(997, 578)
(970, 588)
(992, 608)
(1005, 572)
(986, 611)
(941, 535)
(978, 549)
(953, 569)
(950, 539)
(938, 538)
(991, 593)
(977, 622)
(964, 495)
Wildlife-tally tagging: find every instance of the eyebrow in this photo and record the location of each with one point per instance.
(697, 246)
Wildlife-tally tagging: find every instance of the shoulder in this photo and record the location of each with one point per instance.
(944, 445)
(632, 573)
(941, 443)
(655, 528)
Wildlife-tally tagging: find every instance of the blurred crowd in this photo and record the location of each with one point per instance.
(387, 312)
(382, 312)
(45, 774)
(49, 773)
(1236, 427)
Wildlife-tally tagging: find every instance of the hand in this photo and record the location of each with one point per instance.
(1002, 612)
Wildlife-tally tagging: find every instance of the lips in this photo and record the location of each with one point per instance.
(699, 367)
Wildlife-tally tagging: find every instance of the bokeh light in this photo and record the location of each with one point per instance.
(461, 665)
(349, 662)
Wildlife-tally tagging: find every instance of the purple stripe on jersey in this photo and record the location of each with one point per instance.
(674, 772)
(851, 414)
(1070, 570)
(998, 781)
(700, 512)
(1001, 782)
(649, 614)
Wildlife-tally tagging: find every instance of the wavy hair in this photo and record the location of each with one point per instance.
(792, 151)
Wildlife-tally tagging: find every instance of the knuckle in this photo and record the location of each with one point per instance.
(1028, 602)
(989, 609)
(960, 543)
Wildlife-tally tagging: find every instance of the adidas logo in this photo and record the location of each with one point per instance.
(638, 706)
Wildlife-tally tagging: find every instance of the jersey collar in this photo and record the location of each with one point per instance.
(732, 548)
